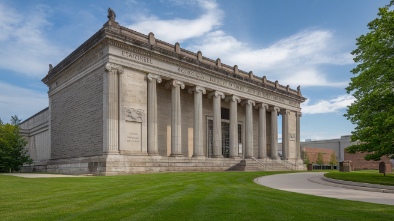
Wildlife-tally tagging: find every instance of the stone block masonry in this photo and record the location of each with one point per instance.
(76, 118)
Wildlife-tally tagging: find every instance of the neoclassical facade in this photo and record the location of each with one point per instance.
(125, 102)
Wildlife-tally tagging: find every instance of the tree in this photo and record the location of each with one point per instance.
(319, 160)
(306, 158)
(333, 160)
(373, 89)
(12, 147)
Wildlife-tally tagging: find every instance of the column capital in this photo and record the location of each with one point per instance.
(110, 66)
(261, 105)
(299, 114)
(285, 112)
(197, 89)
(233, 98)
(248, 102)
(216, 94)
(175, 83)
(274, 109)
(152, 77)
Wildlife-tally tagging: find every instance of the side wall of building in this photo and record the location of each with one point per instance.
(313, 154)
(359, 163)
(36, 132)
(77, 118)
(334, 144)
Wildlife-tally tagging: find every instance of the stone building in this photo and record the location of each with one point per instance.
(125, 102)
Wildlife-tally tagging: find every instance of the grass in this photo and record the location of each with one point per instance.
(368, 176)
(171, 196)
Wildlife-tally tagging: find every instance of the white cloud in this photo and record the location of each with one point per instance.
(178, 29)
(311, 77)
(20, 101)
(294, 60)
(24, 47)
(327, 106)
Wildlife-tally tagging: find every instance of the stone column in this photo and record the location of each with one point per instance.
(274, 132)
(176, 86)
(234, 100)
(111, 107)
(285, 133)
(248, 128)
(298, 144)
(262, 130)
(197, 131)
(152, 114)
(217, 123)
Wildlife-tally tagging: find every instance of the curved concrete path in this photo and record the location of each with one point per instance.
(300, 183)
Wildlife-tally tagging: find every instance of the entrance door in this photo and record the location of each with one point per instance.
(225, 138)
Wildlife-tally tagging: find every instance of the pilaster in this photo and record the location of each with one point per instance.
(111, 107)
(152, 114)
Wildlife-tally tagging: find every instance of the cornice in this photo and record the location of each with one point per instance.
(75, 55)
(200, 68)
(114, 34)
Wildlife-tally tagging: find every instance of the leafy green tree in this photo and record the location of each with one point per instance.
(373, 88)
(333, 160)
(12, 147)
(319, 160)
(306, 158)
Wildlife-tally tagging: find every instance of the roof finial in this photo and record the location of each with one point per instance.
(111, 14)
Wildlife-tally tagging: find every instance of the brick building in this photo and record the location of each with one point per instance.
(313, 153)
(339, 146)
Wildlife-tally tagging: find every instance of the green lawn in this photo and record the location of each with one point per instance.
(171, 196)
(369, 176)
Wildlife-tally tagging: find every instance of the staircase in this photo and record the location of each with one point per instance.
(267, 164)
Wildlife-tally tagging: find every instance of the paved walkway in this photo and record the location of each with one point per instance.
(312, 184)
(38, 175)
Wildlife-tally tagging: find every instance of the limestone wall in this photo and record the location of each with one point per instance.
(133, 98)
(36, 132)
(77, 118)
(292, 135)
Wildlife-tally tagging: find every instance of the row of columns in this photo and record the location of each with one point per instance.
(217, 96)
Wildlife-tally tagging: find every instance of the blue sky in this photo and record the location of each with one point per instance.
(303, 42)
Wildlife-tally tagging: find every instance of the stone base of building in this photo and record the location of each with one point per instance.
(123, 164)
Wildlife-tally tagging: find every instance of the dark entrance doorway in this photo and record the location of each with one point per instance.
(225, 137)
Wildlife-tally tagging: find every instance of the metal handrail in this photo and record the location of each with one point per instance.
(286, 164)
(292, 165)
(259, 162)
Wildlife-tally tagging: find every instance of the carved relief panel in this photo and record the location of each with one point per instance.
(133, 119)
